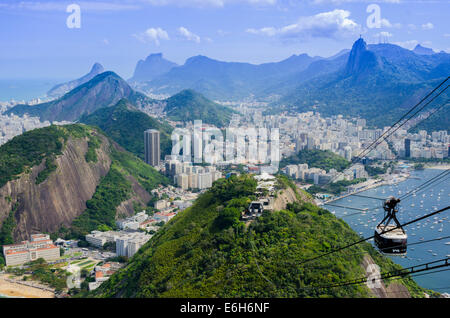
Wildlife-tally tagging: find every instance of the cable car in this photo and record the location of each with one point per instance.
(391, 238)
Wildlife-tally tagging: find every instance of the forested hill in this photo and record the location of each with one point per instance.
(206, 251)
(189, 105)
(69, 179)
(126, 125)
(323, 159)
(104, 90)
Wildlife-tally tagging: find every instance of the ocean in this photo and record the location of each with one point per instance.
(425, 202)
(26, 89)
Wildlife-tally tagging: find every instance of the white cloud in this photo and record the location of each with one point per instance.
(332, 24)
(385, 23)
(188, 35)
(427, 26)
(152, 35)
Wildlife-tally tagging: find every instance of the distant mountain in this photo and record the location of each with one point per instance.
(419, 49)
(361, 61)
(153, 66)
(61, 89)
(104, 90)
(226, 80)
(189, 105)
(378, 82)
(126, 125)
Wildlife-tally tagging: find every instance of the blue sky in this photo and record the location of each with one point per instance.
(36, 42)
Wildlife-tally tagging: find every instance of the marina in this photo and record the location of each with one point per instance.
(429, 239)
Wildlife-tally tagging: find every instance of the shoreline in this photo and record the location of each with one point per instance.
(385, 182)
(9, 289)
(438, 167)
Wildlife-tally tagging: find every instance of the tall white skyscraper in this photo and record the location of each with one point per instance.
(152, 147)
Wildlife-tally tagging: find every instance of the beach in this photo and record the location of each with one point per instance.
(436, 166)
(11, 289)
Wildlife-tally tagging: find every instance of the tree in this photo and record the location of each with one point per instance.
(228, 217)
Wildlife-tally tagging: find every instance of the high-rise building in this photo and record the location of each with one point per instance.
(152, 147)
(407, 148)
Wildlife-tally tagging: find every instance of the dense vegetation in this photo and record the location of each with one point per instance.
(207, 252)
(101, 209)
(379, 83)
(6, 233)
(376, 168)
(323, 159)
(104, 90)
(189, 105)
(335, 188)
(40, 271)
(114, 189)
(31, 148)
(126, 125)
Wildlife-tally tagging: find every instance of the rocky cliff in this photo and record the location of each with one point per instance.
(60, 198)
(55, 202)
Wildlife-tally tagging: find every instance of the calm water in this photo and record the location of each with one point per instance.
(25, 89)
(425, 202)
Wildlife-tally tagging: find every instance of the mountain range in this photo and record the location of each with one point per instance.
(104, 90)
(63, 88)
(153, 66)
(378, 82)
(108, 89)
(225, 80)
(375, 81)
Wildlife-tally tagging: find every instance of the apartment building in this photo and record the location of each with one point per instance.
(39, 246)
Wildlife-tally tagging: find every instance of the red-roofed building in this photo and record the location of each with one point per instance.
(40, 246)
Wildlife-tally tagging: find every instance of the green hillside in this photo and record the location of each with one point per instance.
(23, 152)
(323, 159)
(126, 125)
(205, 251)
(104, 90)
(114, 189)
(189, 105)
(126, 173)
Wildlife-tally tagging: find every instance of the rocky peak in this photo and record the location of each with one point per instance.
(361, 59)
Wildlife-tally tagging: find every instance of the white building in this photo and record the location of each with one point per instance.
(128, 245)
(40, 246)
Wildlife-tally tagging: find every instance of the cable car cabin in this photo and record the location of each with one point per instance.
(256, 208)
(393, 242)
(391, 239)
